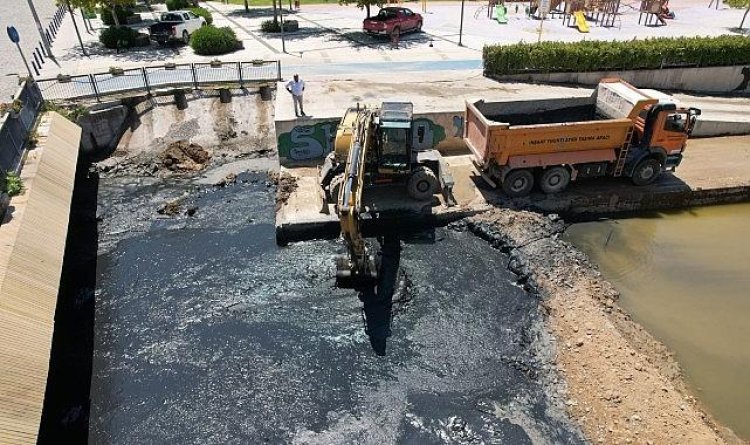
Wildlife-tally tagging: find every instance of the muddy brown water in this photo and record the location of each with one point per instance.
(685, 277)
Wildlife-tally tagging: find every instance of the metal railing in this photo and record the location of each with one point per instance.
(15, 127)
(132, 81)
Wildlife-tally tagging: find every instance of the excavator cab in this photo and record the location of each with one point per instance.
(394, 138)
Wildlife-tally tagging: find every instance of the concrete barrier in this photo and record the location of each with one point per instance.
(308, 141)
(722, 79)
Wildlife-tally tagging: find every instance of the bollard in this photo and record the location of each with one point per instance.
(49, 38)
(180, 99)
(40, 54)
(36, 68)
(36, 58)
(225, 96)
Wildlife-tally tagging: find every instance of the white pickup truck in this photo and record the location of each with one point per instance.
(175, 26)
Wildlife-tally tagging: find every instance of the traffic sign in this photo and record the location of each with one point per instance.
(13, 34)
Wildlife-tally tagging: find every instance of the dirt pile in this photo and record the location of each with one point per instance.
(184, 156)
(286, 184)
(623, 385)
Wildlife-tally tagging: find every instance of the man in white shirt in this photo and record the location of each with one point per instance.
(296, 87)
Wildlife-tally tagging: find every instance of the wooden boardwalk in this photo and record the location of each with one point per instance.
(32, 245)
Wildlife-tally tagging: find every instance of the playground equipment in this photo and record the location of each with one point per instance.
(501, 14)
(578, 13)
(654, 12)
(580, 20)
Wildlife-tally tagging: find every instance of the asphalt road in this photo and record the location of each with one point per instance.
(207, 332)
(17, 13)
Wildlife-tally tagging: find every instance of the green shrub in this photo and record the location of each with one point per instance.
(203, 12)
(122, 37)
(210, 41)
(737, 3)
(613, 56)
(13, 184)
(174, 5)
(122, 15)
(270, 26)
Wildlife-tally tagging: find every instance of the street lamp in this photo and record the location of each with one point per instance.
(461, 28)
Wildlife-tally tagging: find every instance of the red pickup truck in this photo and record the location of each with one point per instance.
(393, 21)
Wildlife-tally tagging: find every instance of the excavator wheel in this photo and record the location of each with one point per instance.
(423, 184)
(335, 187)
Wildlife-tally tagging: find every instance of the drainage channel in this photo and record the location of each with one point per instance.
(206, 331)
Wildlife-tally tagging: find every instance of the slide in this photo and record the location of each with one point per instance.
(581, 23)
(501, 14)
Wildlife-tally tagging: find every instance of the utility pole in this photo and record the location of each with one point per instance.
(281, 16)
(45, 42)
(461, 28)
(75, 25)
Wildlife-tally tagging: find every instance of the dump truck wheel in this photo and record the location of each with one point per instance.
(423, 184)
(646, 171)
(554, 180)
(518, 183)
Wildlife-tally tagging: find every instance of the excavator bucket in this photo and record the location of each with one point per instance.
(348, 277)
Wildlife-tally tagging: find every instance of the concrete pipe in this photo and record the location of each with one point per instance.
(180, 99)
(225, 96)
(265, 93)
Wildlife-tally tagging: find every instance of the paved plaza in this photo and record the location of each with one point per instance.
(330, 41)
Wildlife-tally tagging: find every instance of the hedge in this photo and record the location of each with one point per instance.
(203, 12)
(211, 41)
(593, 55)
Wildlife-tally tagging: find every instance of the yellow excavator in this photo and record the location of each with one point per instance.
(373, 146)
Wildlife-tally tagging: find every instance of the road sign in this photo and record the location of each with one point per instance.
(13, 34)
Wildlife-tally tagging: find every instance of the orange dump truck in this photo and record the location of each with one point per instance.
(619, 131)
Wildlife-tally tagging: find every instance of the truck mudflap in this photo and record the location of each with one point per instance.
(672, 161)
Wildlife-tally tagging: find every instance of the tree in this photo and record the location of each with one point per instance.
(363, 4)
(103, 4)
(740, 4)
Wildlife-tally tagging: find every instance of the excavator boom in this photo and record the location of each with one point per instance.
(357, 269)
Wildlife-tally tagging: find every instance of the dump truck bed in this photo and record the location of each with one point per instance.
(556, 127)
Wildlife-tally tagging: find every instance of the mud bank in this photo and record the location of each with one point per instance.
(623, 385)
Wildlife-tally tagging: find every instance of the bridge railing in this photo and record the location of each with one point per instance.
(120, 82)
(16, 125)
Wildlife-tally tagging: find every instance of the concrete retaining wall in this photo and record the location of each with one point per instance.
(724, 79)
(306, 142)
(102, 128)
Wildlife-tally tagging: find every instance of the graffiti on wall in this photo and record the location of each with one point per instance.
(306, 142)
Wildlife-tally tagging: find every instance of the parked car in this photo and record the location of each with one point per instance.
(175, 26)
(393, 21)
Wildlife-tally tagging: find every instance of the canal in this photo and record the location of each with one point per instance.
(202, 330)
(684, 276)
